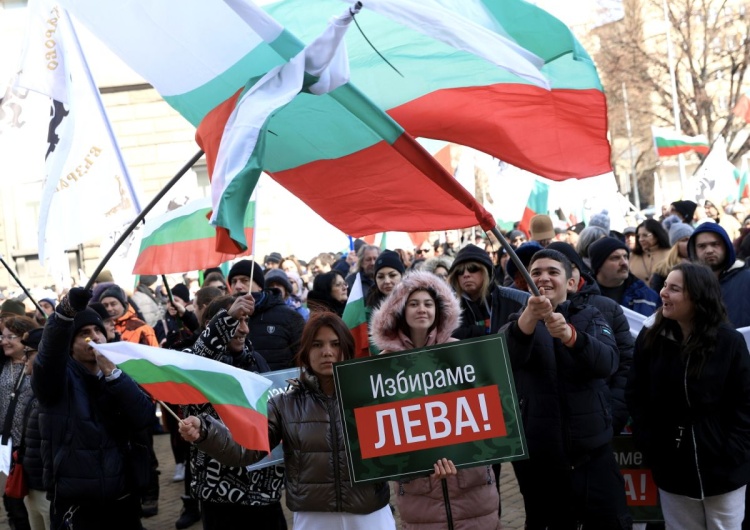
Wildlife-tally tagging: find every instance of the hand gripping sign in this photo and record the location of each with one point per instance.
(402, 411)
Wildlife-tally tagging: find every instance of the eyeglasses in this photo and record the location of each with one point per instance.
(471, 267)
(221, 287)
(8, 337)
(423, 250)
(645, 235)
(339, 285)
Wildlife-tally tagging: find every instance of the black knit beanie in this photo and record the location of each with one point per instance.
(116, 292)
(246, 267)
(389, 258)
(87, 317)
(569, 252)
(473, 253)
(601, 249)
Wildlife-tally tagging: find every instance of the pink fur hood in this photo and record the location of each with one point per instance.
(384, 323)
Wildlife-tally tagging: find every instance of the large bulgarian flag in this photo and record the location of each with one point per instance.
(183, 240)
(355, 318)
(538, 203)
(475, 79)
(238, 396)
(669, 142)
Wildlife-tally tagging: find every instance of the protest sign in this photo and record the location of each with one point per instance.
(402, 411)
(640, 491)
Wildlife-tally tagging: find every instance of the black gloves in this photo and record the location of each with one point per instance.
(76, 300)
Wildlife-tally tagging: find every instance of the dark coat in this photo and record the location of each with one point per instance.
(211, 481)
(86, 423)
(712, 412)
(618, 322)
(33, 467)
(640, 297)
(563, 392)
(500, 304)
(275, 329)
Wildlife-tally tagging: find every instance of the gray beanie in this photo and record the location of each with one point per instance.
(679, 230)
(601, 220)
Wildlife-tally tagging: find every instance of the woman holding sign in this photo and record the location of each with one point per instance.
(318, 488)
(423, 311)
(689, 396)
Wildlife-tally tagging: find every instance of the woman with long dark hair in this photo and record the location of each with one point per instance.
(319, 489)
(689, 396)
(651, 248)
(422, 311)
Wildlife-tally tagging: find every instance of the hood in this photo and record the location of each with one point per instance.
(716, 229)
(384, 324)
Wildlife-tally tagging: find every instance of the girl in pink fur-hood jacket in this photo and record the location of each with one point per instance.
(423, 311)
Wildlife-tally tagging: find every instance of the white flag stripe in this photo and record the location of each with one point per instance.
(191, 207)
(274, 90)
(253, 385)
(356, 293)
(430, 18)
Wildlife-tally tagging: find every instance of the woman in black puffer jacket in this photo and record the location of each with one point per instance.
(689, 396)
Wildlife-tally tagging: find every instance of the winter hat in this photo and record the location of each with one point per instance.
(679, 230)
(246, 267)
(148, 279)
(280, 277)
(12, 308)
(274, 257)
(541, 227)
(686, 210)
(668, 221)
(115, 292)
(472, 253)
(628, 230)
(601, 249)
(50, 301)
(514, 234)
(101, 310)
(294, 277)
(524, 253)
(389, 258)
(600, 219)
(182, 291)
(569, 252)
(104, 276)
(32, 338)
(88, 317)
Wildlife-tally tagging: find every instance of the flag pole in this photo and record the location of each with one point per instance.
(141, 216)
(516, 260)
(22, 286)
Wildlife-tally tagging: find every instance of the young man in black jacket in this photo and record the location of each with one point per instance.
(562, 356)
(89, 414)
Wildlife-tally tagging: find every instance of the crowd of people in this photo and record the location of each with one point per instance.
(84, 429)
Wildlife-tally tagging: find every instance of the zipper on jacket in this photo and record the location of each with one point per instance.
(692, 429)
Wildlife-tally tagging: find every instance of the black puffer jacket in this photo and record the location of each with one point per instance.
(275, 329)
(317, 474)
(211, 481)
(612, 312)
(496, 309)
(33, 467)
(712, 412)
(563, 392)
(86, 423)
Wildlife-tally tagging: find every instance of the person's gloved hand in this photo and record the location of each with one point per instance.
(76, 300)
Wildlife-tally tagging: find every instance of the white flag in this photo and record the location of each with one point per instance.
(714, 180)
(86, 190)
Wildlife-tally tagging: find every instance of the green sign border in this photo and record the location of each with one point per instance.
(405, 465)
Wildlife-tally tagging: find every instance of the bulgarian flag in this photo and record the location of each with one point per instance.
(355, 319)
(742, 177)
(669, 143)
(538, 203)
(238, 396)
(183, 240)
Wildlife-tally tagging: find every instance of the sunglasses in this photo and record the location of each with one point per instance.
(423, 250)
(471, 267)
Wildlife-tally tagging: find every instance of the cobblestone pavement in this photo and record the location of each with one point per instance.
(170, 503)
